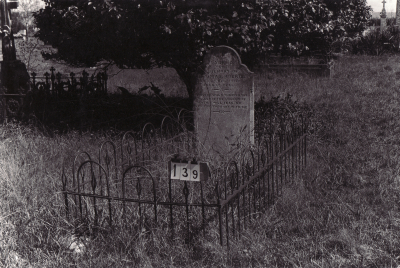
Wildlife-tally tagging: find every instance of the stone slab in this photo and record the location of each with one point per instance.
(223, 102)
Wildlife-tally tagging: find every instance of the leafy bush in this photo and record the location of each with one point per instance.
(281, 112)
(372, 42)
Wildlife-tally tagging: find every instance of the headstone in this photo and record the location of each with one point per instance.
(397, 12)
(223, 102)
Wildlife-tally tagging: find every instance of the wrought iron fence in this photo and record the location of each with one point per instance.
(129, 182)
(51, 93)
(64, 85)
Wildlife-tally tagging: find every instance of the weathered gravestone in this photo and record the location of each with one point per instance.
(223, 102)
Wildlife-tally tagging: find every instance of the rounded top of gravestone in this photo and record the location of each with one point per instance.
(222, 56)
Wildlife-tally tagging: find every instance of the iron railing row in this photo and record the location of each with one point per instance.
(74, 89)
(129, 183)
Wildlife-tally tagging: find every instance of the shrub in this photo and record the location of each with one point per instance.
(371, 42)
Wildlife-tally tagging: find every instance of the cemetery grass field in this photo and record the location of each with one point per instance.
(342, 212)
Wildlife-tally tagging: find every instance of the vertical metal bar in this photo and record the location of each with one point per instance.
(123, 197)
(238, 198)
(143, 149)
(233, 217)
(238, 209)
(244, 174)
(170, 210)
(259, 193)
(64, 187)
(299, 153)
(233, 187)
(220, 223)
(305, 150)
(293, 160)
(202, 210)
(276, 173)
(155, 200)
(269, 186)
(285, 157)
(303, 131)
(249, 192)
(116, 179)
(281, 160)
(225, 183)
(294, 156)
(227, 225)
(288, 153)
(254, 185)
(186, 194)
(73, 187)
(272, 173)
(139, 192)
(100, 177)
(109, 199)
(263, 190)
(85, 198)
(219, 208)
(93, 182)
(277, 165)
(79, 196)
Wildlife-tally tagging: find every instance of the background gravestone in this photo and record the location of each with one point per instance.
(223, 102)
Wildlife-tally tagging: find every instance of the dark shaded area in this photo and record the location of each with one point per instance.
(92, 113)
(83, 104)
(60, 102)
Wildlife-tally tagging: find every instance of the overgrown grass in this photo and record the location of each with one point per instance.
(342, 213)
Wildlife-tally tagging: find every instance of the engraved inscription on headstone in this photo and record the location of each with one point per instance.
(224, 101)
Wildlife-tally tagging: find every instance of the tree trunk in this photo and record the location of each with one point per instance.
(187, 77)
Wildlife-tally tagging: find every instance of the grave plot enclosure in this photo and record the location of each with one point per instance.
(130, 184)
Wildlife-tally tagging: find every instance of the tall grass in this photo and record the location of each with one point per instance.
(343, 212)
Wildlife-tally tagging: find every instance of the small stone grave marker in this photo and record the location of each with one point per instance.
(223, 102)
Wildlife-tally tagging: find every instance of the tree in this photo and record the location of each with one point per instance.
(303, 25)
(25, 11)
(177, 34)
(352, 15)
(16, 25)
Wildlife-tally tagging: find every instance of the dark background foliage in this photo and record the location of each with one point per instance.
(177, 34)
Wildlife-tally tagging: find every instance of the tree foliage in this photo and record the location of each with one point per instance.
(22, 17)
(177, 33)
(352, 15)
(17, 24)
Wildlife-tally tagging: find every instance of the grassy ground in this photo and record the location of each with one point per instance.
(344, 212)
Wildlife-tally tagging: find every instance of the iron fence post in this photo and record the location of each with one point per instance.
(186, 194)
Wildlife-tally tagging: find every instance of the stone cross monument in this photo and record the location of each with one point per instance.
(383, 17)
